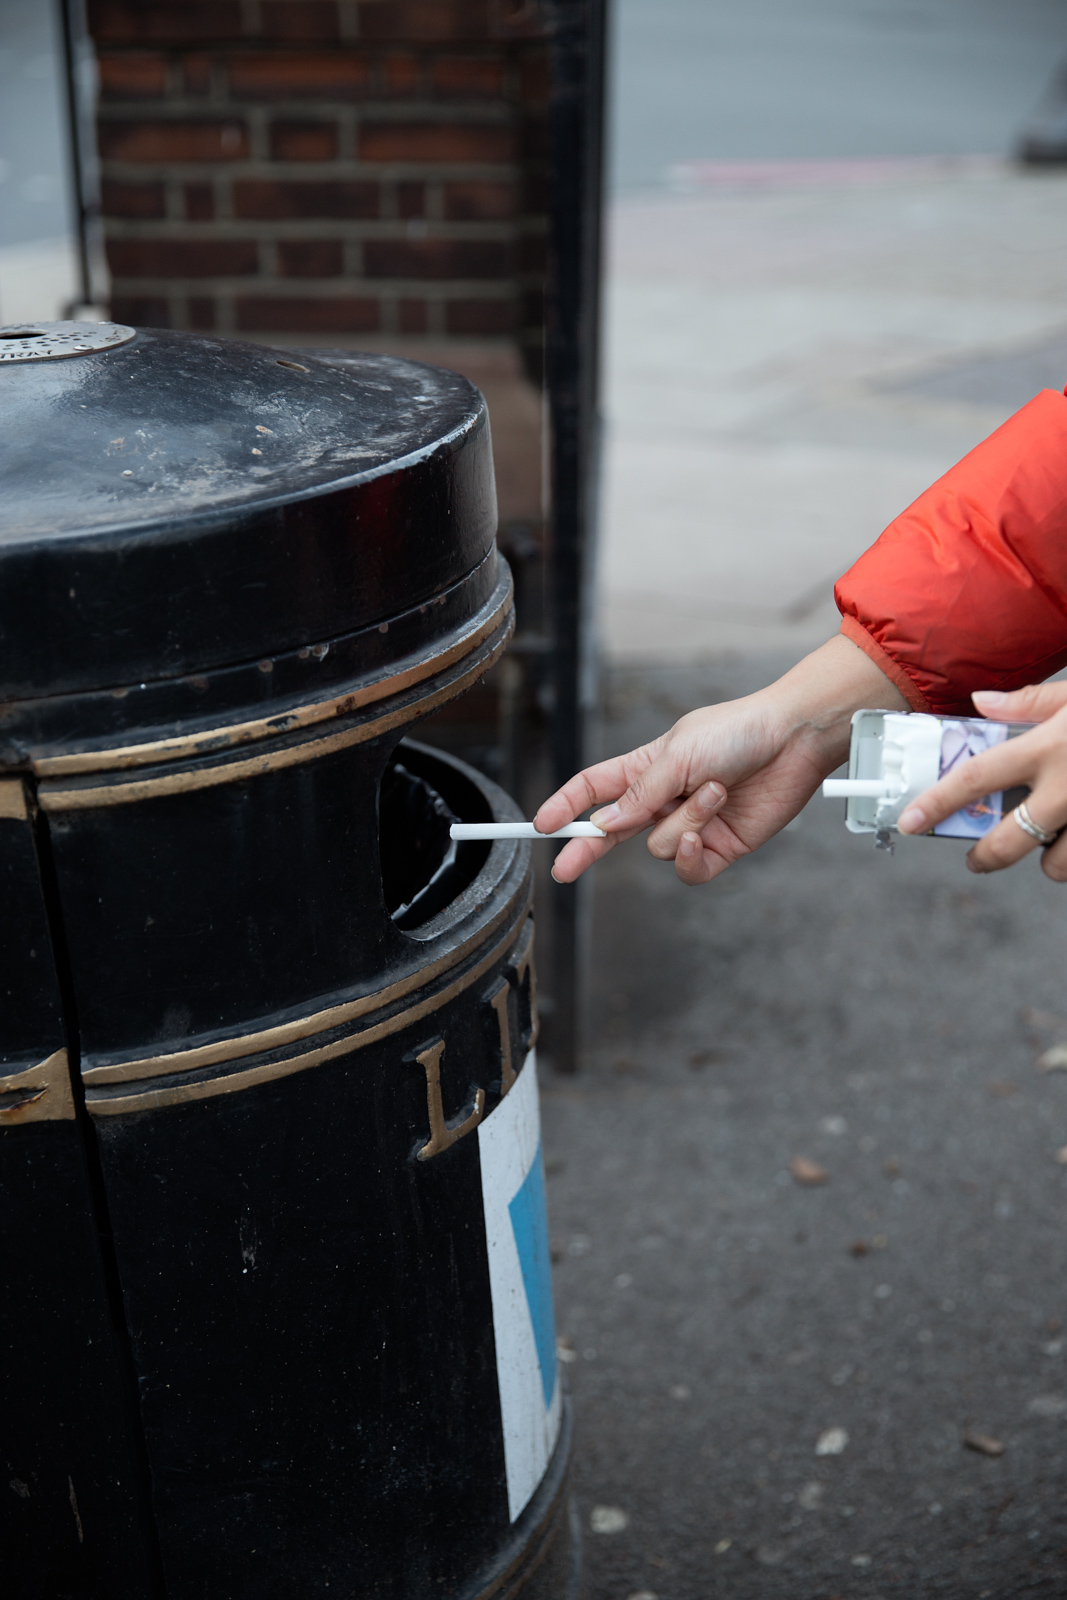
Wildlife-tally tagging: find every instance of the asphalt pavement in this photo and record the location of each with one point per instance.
(853, 1387)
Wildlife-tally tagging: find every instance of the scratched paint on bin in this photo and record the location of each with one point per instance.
(516, 1229)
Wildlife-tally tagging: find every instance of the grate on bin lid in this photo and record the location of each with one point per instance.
(58, 341)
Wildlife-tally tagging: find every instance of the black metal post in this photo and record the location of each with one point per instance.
(577, 116)
(84, 173)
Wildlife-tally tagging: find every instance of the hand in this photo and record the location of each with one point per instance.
(725, 778)
(1037, 758)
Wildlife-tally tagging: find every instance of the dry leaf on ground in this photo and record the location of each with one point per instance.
(805, 1171)
(983, 1443)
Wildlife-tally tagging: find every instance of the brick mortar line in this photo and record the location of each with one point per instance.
(314, 171)
(480, 44)
(483, 47)
(395, 230)
(322, 288)
(499, 114)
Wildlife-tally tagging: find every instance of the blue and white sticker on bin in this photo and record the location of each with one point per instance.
(520, 1277)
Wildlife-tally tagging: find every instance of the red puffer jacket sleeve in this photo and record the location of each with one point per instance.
(967, 589)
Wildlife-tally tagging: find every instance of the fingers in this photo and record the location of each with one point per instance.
(1006, 844)
(692, 815)
(1003, 767)
(1054, 861)
(695, 865)
(654, 787)
(1032, 704)
(593, 786)
(578, 855)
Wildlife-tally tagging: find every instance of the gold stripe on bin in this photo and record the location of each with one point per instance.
(55, 797)
(234, 1082)
(37, 1094)
(283, 1033)
(212, 740)
(13, 800)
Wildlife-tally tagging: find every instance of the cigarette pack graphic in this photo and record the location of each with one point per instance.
(962, 738)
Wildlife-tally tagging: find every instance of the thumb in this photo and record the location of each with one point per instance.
(661, 782)
(1032, 704)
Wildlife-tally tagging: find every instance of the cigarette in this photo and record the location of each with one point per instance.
(860, 789)
(523, 830)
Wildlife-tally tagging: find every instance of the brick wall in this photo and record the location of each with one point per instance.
(296, 169)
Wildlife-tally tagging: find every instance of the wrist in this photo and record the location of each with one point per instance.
(817, 697)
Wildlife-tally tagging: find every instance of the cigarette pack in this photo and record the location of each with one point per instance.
(895, 755)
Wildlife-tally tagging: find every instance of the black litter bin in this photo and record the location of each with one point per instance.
(276, 1300)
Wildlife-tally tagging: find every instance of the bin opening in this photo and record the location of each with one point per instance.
(423, 870)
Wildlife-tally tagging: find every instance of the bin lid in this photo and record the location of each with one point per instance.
(171, 502)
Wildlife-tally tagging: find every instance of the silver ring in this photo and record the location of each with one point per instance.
(1028, 825)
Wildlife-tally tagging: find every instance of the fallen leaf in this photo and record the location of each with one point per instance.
(832, 1442)
(983, 1443)
(1054, 1060)
(608, 1519)
(808, 1172)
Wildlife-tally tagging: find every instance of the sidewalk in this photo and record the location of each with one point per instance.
(775, 1382)
(881, 1018)
(787, 368)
